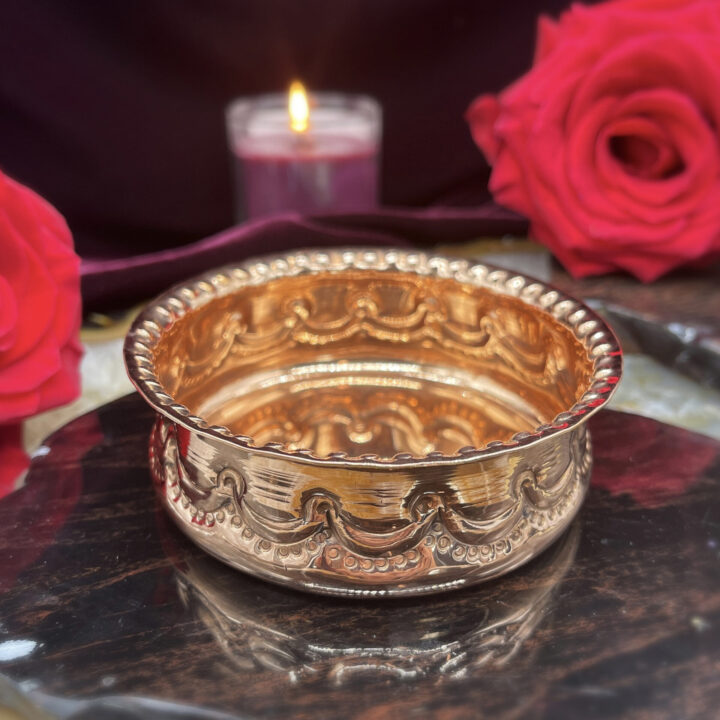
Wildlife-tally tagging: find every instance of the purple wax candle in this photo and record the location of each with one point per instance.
(326, 162)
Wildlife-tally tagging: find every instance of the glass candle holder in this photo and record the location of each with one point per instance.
(330, 165)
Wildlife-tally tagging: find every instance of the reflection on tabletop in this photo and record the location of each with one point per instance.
(260, 626)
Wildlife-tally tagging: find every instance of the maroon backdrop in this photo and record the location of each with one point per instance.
(115, 111)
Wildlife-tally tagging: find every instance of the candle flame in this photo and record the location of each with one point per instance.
(298, 107)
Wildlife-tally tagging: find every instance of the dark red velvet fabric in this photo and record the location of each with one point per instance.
(110, 283)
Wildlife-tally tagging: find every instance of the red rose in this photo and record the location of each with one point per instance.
(39, 315)
(609, 144)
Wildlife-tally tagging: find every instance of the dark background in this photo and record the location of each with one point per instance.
(115, 111)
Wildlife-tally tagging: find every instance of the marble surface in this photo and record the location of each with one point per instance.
(108, 613)
(656, 391)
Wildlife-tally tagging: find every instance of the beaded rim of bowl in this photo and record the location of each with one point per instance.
(586, 326)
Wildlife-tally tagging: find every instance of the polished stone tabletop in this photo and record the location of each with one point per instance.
(107, 612)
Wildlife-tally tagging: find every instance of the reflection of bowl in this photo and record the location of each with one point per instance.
(371, 422)
(258, 626)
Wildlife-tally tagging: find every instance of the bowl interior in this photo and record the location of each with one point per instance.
(374, 362)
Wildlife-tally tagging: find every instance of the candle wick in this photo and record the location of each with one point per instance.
(303, 141)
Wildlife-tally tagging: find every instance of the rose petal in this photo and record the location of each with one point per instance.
(40, 301)
(685, 131)
(578, 265)
(32, 284)
(481, 116)
(14, 408)
(548, 38)
(64, 385)
(8, 315)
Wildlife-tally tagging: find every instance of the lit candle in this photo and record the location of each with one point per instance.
(309, 154)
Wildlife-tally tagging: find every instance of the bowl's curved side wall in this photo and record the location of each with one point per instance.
(306, 527)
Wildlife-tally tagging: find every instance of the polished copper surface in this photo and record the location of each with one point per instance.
(371, 422)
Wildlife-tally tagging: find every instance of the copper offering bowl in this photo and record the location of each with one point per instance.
(371, 422)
